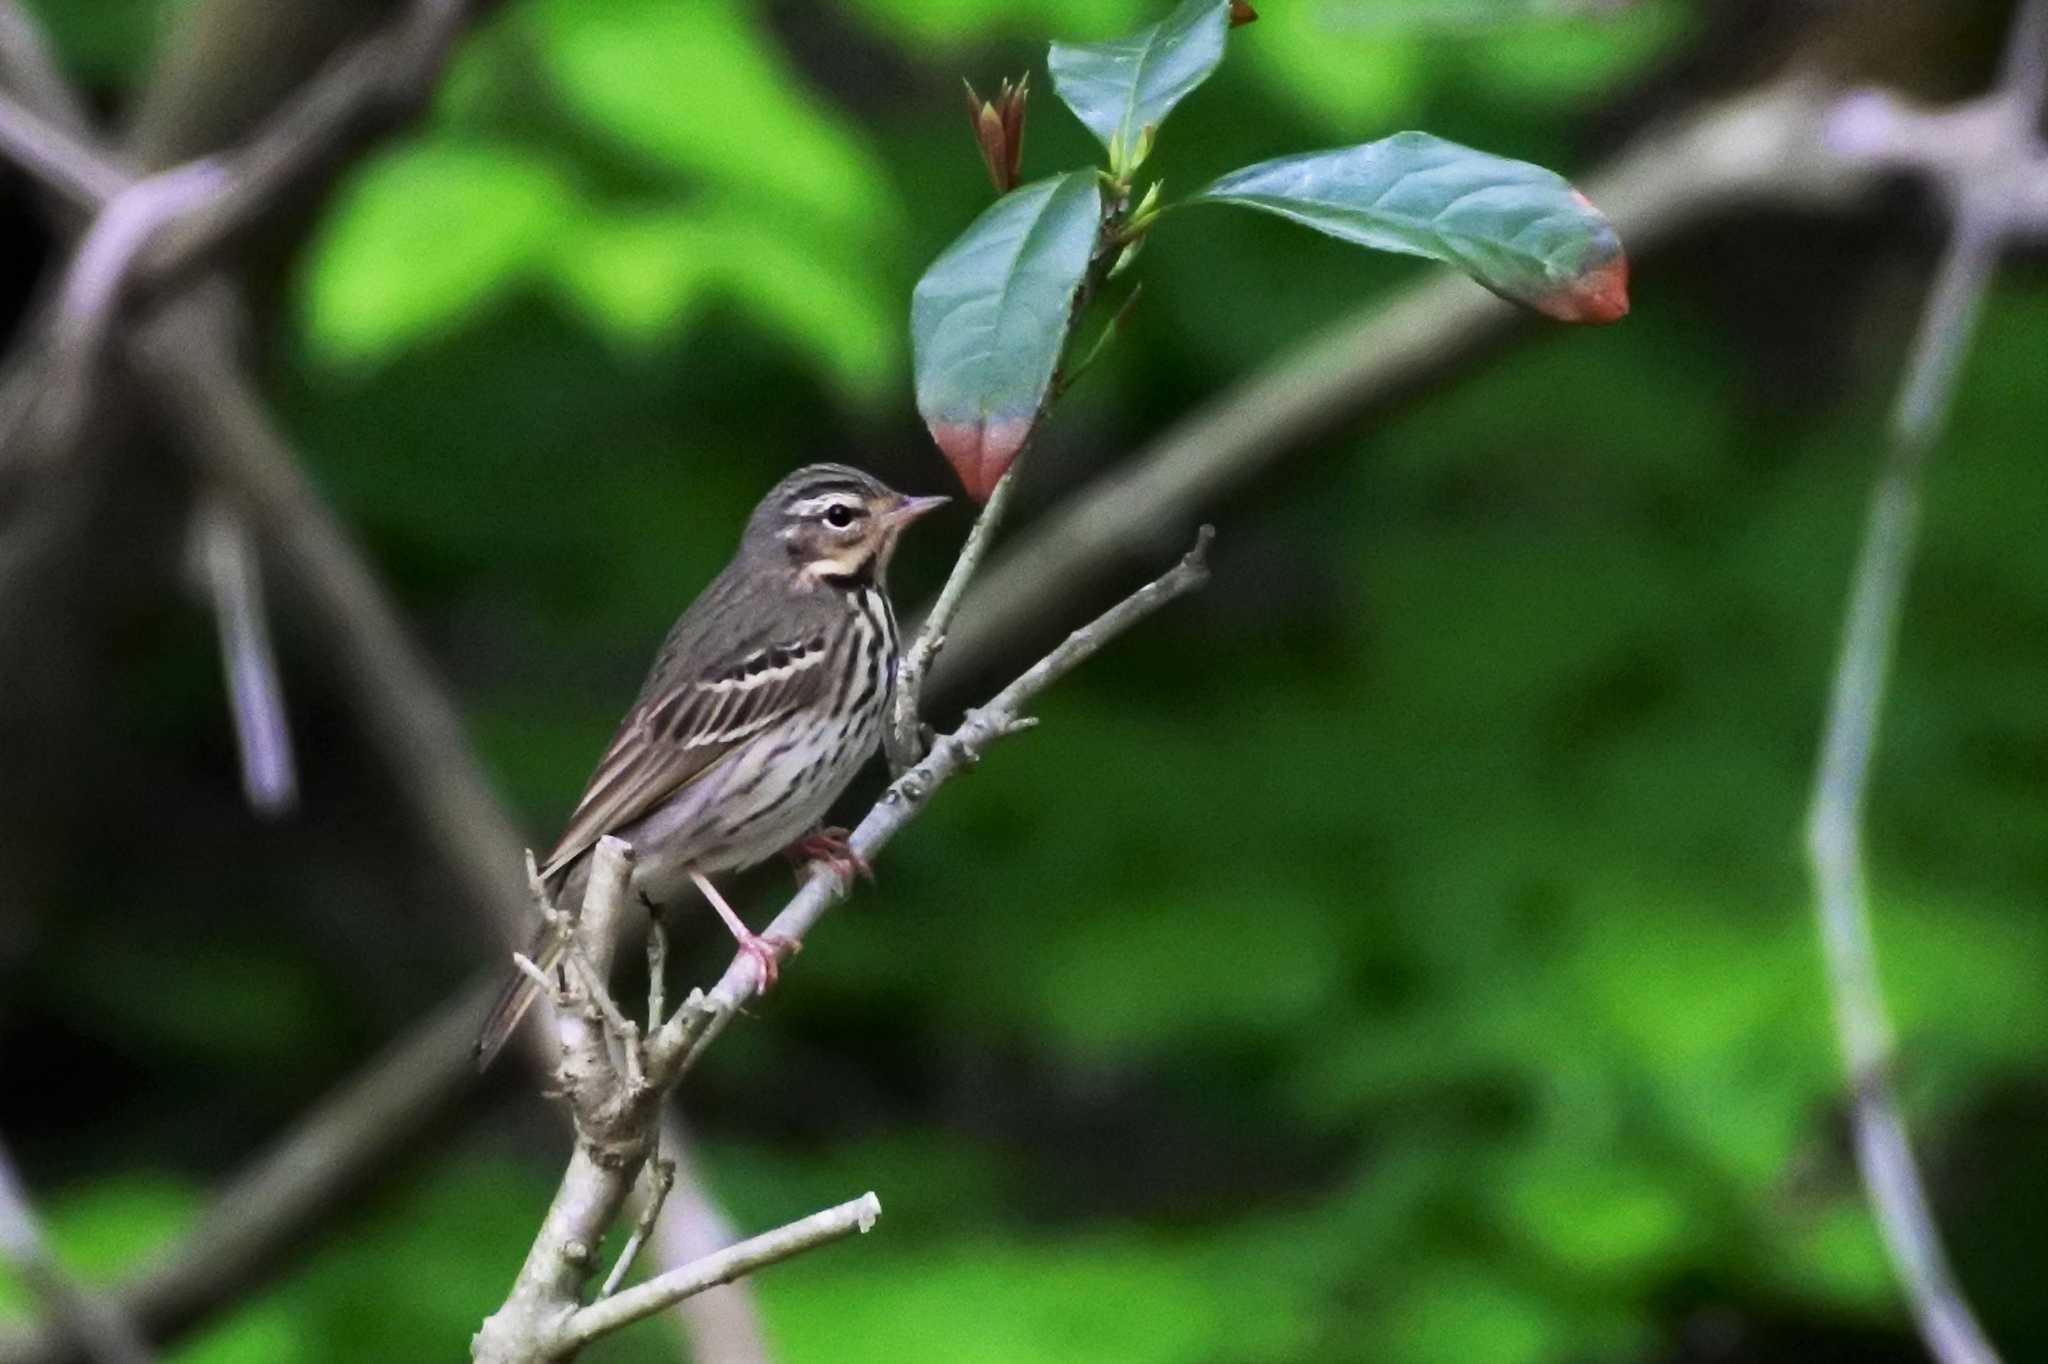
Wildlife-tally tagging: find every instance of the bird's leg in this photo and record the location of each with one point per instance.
(833, 846)
(766, 949)
(657, 960)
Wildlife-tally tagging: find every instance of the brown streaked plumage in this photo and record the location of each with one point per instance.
(765, 699)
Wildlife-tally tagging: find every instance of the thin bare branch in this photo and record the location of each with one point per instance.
(58, 158)
(685, 1036)
(28, 66)
(642, 1300)
(661, 1177)
(181, 352)
(2023, 70)
(617, 1124)
(1834, 838)
(1834, 828)
(73, 337)
(179, 219)
(383, 76)
(99, 1329)
(617, 1127)
(903, 741)
(1884, 1154)
(232, 574)
(722, 1324)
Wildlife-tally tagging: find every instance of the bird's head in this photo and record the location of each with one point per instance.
(834, 524)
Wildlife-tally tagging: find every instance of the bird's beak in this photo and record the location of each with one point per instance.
(908, 509)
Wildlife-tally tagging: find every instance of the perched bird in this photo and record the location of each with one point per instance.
(766, 698)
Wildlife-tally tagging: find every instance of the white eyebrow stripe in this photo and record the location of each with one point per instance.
(812, 506)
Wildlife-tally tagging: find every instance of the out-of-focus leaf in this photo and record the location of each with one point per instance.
(1100, 1299)
(637, 276)
(1560, 57)
(641, 276)
(1124, 89)
(1346, 75)
(261, 1009)
(423, 237)
(1253, 983)
(1518, 229)
(106, 43)
(1839, 1258)
(989, 317)
(1458, 1312)
(1621, 1221)
(944, 25)
(700, 88)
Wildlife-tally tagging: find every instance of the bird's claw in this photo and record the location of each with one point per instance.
(834, 847)
(766, 951)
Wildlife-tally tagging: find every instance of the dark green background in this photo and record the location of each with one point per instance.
(1400, 952)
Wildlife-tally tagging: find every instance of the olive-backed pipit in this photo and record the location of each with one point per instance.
(766, 698)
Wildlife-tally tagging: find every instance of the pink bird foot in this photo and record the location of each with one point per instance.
(831, 846)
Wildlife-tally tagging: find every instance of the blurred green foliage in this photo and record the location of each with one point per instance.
(1400, 954)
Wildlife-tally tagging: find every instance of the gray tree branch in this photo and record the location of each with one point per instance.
(1983, 215)
(903, 741)
(230, 572)
(97, 1327)
(684, 1037)
(614, 1073)
(606, 1315)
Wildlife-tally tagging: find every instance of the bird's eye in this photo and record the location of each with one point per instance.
(839, 516)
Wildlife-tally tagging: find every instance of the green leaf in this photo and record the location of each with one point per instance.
(107, 43)
(989, 318)
(1532, 58)
(1518, 229)
(421, 239)
(1338, 74)
(642, 276)
(1124, 89)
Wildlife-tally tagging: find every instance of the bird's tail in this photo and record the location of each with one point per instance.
(517, 997)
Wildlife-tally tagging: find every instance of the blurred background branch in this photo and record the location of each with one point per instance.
(183, 219)
(100, 1331)
(2007, 165)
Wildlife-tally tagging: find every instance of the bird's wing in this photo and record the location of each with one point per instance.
(677, 734)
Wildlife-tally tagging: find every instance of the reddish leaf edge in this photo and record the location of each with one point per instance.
(981, 452)
(1598, 295)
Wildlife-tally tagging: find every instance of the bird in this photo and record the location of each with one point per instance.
(765, 699)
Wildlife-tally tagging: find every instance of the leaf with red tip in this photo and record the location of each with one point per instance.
(1518, 229)
(989, 318)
